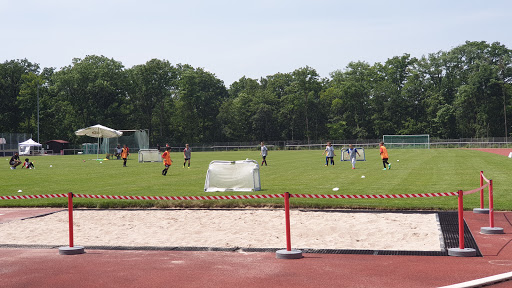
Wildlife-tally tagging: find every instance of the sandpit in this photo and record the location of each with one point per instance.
(245, 228)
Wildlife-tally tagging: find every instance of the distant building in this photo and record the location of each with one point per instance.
(57, 146)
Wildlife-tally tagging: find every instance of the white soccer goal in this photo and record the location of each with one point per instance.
(346, 157)
(243, 176)
(407, 141)
(149, 155)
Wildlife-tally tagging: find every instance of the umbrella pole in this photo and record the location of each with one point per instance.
(98, 150)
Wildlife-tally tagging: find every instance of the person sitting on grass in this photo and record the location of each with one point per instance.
(118, 151)
(27, 164)
(15, 161)
(167, 160)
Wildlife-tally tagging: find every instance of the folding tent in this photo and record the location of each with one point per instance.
(24, 147)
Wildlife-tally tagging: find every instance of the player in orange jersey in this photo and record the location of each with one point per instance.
(384, 155)
(167, 160)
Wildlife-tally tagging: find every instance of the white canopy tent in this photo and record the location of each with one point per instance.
(98, 131)
(24, 147)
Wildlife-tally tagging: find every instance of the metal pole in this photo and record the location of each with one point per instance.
(37, 112)
(70, 214)
(481, 190)
(461, 221)
(287, 216)
(491, 205)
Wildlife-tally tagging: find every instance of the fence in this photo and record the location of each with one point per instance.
(9, 142)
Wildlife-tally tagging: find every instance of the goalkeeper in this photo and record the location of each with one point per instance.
(352, 155)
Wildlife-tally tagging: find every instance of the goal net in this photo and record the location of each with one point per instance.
(149, 155)
(346, 157)
(243, 176)
(407, 141)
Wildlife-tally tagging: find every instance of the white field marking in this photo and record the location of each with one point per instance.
(482, 281)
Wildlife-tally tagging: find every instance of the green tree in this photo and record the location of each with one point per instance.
(95, 88)
(199, 96)
(151, 92)
(11, 81)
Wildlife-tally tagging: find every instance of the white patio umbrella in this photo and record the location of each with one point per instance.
(98, 131)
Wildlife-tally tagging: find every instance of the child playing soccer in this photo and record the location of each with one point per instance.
(352, 155)
(27, 164)
(263, 154)
(124, 154)
(329, 154)
(187, 154)
(384, 155)
(167, 160)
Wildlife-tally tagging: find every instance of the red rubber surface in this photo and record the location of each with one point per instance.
(499, 151)
(108, 268)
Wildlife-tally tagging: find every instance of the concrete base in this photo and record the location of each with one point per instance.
(491, 230)
(71, 250)
(466, 252)
(481, 210)
(285, 254)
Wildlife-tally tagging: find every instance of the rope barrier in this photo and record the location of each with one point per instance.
(476, 190)
(33, 196)
(485, 179)
(174, 198)
(375, 196)
(242, 197)
(245, 197)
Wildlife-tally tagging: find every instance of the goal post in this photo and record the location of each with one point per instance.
(149, 155)
(346, 157)
(407, 141)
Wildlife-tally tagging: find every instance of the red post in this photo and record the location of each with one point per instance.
(481, 190)
(461, 221)
(70, 213)
(491, 205)
(287, 216)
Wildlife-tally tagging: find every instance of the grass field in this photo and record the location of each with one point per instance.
(418, 171)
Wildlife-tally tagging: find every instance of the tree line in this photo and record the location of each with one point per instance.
(461, 93)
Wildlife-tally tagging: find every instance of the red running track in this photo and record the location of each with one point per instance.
(499, 151)
(108, 268)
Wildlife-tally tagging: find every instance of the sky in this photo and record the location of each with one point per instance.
(233, 39)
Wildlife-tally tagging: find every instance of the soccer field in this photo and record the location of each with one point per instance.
(418, 171)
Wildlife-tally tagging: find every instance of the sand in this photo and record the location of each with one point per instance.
(245, 228)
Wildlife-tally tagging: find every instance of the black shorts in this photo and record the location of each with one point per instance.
(187, 159)
(264, 157)
(167, 166)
